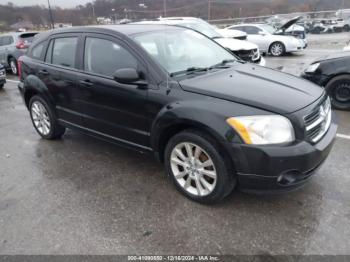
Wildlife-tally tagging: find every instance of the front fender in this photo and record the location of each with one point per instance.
(202, 115)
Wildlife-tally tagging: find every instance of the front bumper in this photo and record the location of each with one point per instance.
(280, 168)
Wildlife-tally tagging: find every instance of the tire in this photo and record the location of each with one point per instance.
(346, 28)
(2, 86)
(44, 119)
(277, 49)
(211, 189)
(13, 66)
(338, 89)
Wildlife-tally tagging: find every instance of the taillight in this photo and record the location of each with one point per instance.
(22, 44)
(19, 67)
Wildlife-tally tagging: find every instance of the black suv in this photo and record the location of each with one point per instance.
(216, 122)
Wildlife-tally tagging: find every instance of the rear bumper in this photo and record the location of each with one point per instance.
(280, 168)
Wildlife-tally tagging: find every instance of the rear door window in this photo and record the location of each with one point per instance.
(64, 51)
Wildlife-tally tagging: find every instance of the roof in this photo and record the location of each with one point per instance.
(128, 29)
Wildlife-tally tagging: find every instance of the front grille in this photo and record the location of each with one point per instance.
(248, 55)
(318, 121)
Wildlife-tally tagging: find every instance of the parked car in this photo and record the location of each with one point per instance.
(289, 27)
(321, 26)
(2, 76)
(245, 50)
(333, 73)
(342, 25)
(12, 46)
(239, 35)
(213, 120)
(268, 41)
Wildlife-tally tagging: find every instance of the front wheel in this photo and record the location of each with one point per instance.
(43, 119)
(198, 168)
(339, 91)
(277, 49)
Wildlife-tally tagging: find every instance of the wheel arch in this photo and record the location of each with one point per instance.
(335, 76)
(171, 122)
(34, 86)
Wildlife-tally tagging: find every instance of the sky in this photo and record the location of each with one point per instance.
(61, 3)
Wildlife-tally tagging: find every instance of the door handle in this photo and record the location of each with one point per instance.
(43, 72)
(86, 83)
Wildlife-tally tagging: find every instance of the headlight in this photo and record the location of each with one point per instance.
(312, 68)
(263, 130)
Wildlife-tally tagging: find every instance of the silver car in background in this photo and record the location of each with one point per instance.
(12, 46)
(268, 40)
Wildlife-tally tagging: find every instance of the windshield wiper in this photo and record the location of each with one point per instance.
(223, 63)
(189, 70)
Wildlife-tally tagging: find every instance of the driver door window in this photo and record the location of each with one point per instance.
(104, 57)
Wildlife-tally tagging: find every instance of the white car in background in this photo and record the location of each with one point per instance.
(268, 40)
(245, 50)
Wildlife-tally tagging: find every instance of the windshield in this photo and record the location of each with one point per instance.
(268, 28)
(180, 49)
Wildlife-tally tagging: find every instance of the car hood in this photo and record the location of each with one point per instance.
(333, 56)
(256, 86)
(231, 33)
(235, 45)
(289, 23)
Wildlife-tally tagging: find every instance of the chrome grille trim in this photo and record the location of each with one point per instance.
(318, 122)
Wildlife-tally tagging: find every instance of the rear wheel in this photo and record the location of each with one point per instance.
(1, 86)
(44, 119)
(277, 49)
(13, 66)
(339, 91)
(198, 168)
(346, 28)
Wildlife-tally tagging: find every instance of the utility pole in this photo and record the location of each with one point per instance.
(50, 13)
(209, 10)
(164, 7)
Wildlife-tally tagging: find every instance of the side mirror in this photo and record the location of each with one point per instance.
(129, 76)
(262, 33)
(126, 76)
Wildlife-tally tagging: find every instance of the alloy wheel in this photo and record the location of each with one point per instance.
(13, 67)
(41, 118)
(193, 169)
(277, 49)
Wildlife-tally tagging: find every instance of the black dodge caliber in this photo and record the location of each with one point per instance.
(213, 120)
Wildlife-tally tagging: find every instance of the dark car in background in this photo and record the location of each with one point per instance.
(333, 73)
(215, 122)
(2, 76)
(12, 46)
